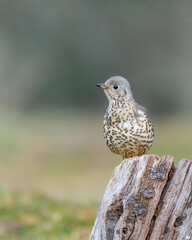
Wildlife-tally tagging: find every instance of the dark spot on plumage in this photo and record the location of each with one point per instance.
(109, 120)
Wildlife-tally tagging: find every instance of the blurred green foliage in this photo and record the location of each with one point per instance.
(53, 53)
(27, 216)
(62, 155)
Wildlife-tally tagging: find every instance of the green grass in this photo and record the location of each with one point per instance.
(33, 216)
(64, 157)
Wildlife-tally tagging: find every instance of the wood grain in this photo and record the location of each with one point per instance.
(147, 198)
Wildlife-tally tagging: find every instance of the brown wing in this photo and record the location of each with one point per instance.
(140, 110)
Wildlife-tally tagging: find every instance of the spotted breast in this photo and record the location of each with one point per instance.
(127, 128)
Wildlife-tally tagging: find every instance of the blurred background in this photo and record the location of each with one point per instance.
(54, 165)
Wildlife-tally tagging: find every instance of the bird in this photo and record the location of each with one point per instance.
(127, 128)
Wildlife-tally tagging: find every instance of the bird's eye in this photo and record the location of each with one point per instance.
(115, 86)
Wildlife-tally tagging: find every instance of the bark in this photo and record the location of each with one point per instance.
(147, 198)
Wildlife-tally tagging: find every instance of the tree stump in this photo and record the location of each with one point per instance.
(147, 198)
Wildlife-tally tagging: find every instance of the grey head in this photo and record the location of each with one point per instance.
(117, 89)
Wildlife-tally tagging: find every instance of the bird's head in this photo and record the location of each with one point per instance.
(117, 89)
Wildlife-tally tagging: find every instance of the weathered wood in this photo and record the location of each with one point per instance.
(147, 198)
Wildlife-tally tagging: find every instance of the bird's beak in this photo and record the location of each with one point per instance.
(101, 85)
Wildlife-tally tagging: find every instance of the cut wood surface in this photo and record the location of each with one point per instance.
(147, 198)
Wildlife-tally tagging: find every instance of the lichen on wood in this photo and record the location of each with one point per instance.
(147, 198)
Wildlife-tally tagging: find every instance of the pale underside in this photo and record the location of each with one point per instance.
(128, 130)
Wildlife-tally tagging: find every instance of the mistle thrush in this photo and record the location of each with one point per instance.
(127, 127)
